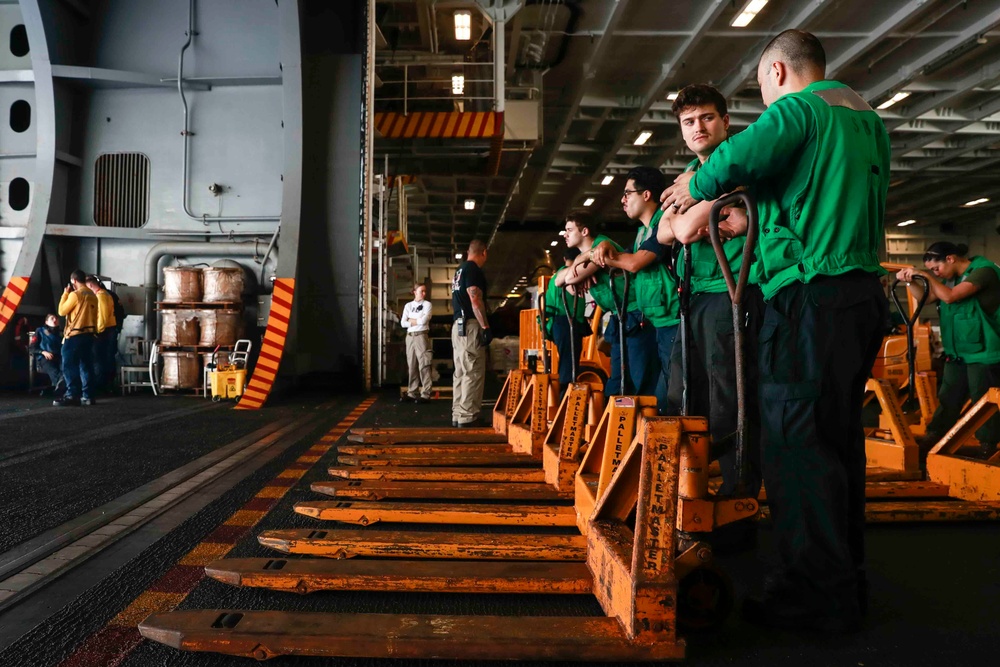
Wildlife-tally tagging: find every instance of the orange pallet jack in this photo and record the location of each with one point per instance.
(891, 447)
(633, 550)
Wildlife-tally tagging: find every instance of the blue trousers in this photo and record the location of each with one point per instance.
(105, 348)
(642, 358)
(664, 347)
(78, 363)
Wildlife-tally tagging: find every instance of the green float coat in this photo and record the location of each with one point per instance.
(967, 331)
(655, 289)
(802, 162)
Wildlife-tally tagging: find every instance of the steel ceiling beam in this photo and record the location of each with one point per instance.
(655, 92)
(597, 54)
(904, 74)
(989, 73)
(883, 29)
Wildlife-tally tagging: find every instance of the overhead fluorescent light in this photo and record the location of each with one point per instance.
(458, 255)
(512, 295)
(892, 100)
(976, 202)
(671, 97)
(607, 180)
(747, 14)
(905, 223)
(562, 233)
(554, 244)
(463, 25)
(458, 84)
(588, 201)
(470, 204)
(642, 138)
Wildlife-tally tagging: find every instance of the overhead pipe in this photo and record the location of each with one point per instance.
(186, 133)
(186, 248)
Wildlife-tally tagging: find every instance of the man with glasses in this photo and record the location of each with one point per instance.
(817, 162)
(651, 305)
(654, 285)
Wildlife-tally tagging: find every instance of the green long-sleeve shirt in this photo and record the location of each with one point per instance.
(817, 163)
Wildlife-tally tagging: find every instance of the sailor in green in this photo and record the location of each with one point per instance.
(653, 283)
(817, 163)
(557, 326)
(640, 336)
(702, 115)
(967, 290)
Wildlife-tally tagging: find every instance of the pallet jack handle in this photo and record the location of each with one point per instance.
(546, 361)
(736, 287)
(622, 314)
(911, 346)
(684, 294)
(572, 328)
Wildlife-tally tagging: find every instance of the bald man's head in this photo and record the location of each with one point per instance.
(799, 50)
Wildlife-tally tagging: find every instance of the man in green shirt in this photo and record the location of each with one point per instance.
(703, 117)
(817, 163)
(654, 285)
(640, 336)
(557, 325)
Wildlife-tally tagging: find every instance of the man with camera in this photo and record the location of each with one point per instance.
(79, 306)
(470, 336)
(416, 320)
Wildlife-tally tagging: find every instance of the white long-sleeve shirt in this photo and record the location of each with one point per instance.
(416, 315)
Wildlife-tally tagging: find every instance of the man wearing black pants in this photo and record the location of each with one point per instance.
(817, 162)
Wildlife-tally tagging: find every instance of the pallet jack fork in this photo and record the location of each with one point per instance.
(632, 552)
(562, 449)
(967, 478)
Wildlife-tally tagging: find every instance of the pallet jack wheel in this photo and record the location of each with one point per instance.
(704, 599)
(216, 398)
(592, 374)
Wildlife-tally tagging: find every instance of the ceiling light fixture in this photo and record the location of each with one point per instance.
(642, 138)
(671, 97)
(588, 201)
(458, 84)
(463, 25)
(898, 97)
(607, 180)
(458, 255)
(905, 223)
(747, 14)
(512, 295)
(976, 202)
(470, 204)
(554, 244)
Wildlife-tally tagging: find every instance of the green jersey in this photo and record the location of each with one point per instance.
(601, 292)
(968, 331)
(817, 163)
(655, 288)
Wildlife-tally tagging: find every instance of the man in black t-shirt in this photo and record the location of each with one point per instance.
(470, 336)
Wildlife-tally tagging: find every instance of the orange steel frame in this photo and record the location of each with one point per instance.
(635, 569)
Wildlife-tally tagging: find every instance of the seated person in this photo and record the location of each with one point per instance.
(46, 347)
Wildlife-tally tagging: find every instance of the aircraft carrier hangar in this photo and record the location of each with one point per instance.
(261, 183)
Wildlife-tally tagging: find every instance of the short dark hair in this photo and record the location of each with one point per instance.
(698, 95)
(95, 280)
(801, 51)
(571, 254)
(582, 221)
(79, 276)
(648, 178)
(938, 251)
(476, 247)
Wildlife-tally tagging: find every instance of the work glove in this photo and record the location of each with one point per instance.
(485, 336)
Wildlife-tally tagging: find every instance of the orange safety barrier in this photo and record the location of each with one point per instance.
(266, 370)
(439, 125)
(11, 298)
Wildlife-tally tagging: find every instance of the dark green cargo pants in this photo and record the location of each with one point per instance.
(962, 382)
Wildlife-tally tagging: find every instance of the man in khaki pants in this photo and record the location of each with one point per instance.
(416, 319)
(470, 336)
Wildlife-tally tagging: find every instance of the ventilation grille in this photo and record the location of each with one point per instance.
(121, 190)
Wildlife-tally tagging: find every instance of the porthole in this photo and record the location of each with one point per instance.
(19, 41)
(20, 116)
(18, 194)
